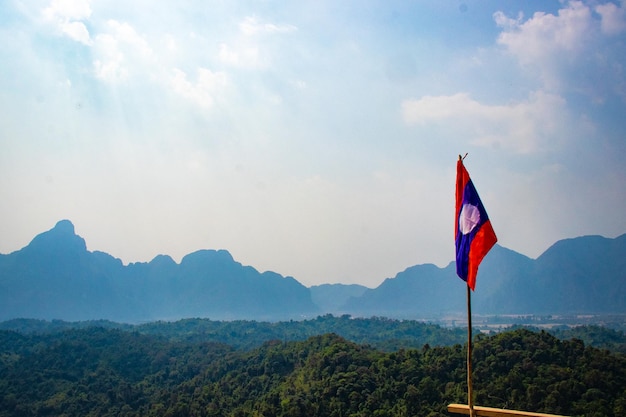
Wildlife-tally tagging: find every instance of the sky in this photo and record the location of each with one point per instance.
(316, 139)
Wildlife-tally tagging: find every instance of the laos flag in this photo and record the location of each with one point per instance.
(474, 236)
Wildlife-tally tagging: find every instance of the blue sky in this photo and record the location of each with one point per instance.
(316, 139)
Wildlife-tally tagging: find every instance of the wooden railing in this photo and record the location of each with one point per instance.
(494, 412)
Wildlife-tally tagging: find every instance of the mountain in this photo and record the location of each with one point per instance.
(55, 277)
(424, 291)
(585, 275)
(330, 298)
(418, 290)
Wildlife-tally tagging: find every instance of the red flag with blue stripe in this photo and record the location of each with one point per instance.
(474, 235)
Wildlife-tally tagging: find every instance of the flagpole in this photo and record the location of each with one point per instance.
(470, 392)
(473, 238)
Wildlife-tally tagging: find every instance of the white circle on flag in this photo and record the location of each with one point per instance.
(469, 218)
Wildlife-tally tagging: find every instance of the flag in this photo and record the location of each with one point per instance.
(474, 235)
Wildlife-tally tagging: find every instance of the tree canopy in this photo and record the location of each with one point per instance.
(96, 371)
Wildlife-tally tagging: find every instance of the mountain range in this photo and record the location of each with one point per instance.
(56, 277)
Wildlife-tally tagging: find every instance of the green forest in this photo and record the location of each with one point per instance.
(182, 369)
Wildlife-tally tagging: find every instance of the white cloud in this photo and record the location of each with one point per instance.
(68, 9)
(251, 26)
(571, 50)
(508, 23)
(110, 64)
(249, 51)
(613, 18)
(544, 35)
(125, 33)
(521, 127)
(120, 51)
(67, 15)
(436, 108)
(203, 91)
(241, 57)
(77, 31)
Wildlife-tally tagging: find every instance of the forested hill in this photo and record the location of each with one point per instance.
(381, 333)
(111, 372)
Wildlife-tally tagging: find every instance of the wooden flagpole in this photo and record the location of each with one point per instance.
(483, 411)
(470, 391)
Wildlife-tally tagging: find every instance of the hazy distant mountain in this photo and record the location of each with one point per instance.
(418, 289)
(55, 277)
(585, 274)
(574, 276)
(331, 298)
